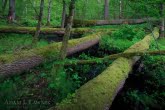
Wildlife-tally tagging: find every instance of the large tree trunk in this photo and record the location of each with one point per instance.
(63, 14)
(99, 93)
(13, 64)
(57, 31)
(49, 12)
(11, 14)
(81, 23)
(106, 10)
(35, 37)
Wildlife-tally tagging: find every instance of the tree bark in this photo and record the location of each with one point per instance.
(13, 64)
(35, 37)
(63, 14)
(11, 14)
(49, 12)
(99, 93)
(106, 10)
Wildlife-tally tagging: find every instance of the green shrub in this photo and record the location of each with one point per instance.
(128, 32)
(117, 45)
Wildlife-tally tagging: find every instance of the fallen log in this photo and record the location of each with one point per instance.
(83, 23)
(57, 31)
(12, 64)
(99, 93)
(111, 57)
(31, 30)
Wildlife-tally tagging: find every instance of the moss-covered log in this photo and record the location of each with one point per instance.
(99, 93)
(112, 57)
(31, 30)
(82, 23)
(17, 63)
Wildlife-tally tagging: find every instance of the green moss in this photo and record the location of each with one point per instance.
(144, 44)
(50, 51)
(98, 94)
(43, 30)
(81, 23)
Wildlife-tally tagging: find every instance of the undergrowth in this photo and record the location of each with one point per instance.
(35, 85)
(11, 43)
(122, 39)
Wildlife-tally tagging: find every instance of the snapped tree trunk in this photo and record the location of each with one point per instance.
(63, 14)
(99, 93)
(15, 64)
(49, 12)
(35, 37)
(11, 14)
(106, 10)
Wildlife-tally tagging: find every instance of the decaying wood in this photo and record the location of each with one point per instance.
(12, 64)
(99, 93)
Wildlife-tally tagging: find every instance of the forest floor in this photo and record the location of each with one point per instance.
(144, 89)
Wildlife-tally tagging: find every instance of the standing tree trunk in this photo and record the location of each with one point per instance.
(49, 13)
(11, 14)
(57, 69)
(35, 38)
(106, 10)
(67, 30)
(63, 14)
(121, 9)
